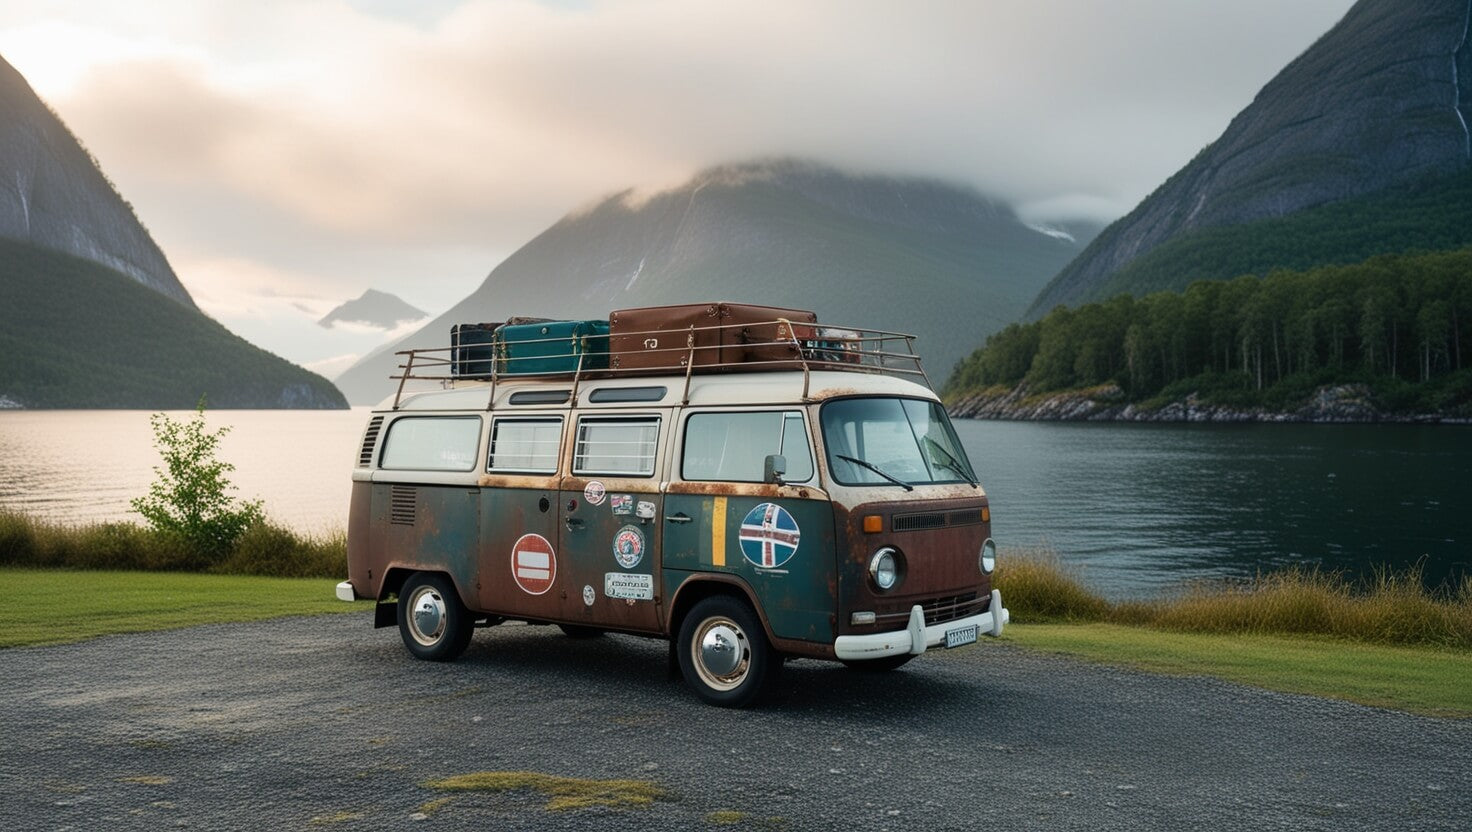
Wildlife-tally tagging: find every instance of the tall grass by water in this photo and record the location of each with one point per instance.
(264, 549)
(1391, 608)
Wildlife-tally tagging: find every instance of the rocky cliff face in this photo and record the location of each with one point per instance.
(1382, 98)
(924, 257)
(53, 195)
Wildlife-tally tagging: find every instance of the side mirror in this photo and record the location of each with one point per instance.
(774, 468)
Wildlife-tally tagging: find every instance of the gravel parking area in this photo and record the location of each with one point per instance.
(313, 723)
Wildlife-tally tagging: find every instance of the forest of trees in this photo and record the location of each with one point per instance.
(1402, 323)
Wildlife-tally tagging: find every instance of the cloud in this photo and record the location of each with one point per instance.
(337, 146)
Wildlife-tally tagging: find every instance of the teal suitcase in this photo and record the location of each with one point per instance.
(553, 347)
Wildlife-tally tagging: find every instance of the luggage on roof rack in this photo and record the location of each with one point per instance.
(473, 350)
(712, 335)
(552, 347)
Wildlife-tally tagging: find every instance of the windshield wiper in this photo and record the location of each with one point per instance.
(951, 462)
(872, 467)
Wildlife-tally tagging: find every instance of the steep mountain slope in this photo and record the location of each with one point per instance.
(374, 308)
(1382, 99)
(87, 336)
(919, 256)
(53, 195)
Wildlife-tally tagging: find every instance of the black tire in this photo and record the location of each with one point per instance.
(878, 665)
(579, 631)
(442, 629)
(729, 622)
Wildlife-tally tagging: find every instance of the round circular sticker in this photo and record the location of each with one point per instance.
(594, 493)
(589, 596)
(533, 564)
(769, 536)
(628, 546)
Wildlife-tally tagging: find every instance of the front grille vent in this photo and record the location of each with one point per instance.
(935, 520)
(937, 610)
(401, 504)
(370, 438)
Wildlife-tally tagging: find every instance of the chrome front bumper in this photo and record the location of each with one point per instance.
(917, 636)
(345, 592)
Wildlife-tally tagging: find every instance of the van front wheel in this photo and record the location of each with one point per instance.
(432, 619)
(723, 651)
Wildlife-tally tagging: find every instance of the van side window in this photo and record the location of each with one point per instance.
(623, 446)
(432, 443)
(731, 447)
(527, 446)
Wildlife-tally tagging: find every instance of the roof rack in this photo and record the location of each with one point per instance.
(835, 348)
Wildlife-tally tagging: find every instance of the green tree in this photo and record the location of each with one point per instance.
(191, 496)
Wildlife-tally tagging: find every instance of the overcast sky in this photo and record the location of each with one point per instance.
(288, 155)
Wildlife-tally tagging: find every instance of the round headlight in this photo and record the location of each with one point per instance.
(988, 558)
(884, 569)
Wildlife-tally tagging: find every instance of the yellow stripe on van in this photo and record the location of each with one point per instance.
(718, 533)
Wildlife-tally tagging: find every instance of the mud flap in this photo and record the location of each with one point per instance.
(386, 614)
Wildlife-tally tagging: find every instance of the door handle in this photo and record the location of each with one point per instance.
(678, 518)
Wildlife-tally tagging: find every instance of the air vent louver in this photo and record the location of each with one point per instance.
(401, 504)
(935, 520)
(370, 438)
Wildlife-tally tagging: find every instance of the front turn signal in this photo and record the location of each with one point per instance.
(873, 523)
(986, 514)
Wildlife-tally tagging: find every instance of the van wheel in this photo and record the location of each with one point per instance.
(878, 665)
(723, 652)
(432, 619)
(579, 631)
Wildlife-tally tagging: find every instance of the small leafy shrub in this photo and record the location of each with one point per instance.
(191, 498)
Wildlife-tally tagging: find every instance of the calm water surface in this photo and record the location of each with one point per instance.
(1137, 508)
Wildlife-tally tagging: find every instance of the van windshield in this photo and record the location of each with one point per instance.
(883, 441)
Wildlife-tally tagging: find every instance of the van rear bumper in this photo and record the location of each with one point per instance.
(345, 592)
(917, 637)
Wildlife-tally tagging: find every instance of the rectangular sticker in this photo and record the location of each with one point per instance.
(621, 503)
(718, 533)
(625, 585)
(645, 510)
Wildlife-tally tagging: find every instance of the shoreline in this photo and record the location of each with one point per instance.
(1332, 404)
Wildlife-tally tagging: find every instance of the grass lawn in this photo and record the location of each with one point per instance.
(47, 606)
(1426, 680)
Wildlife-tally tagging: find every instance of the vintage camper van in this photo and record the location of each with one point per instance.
(742, 482)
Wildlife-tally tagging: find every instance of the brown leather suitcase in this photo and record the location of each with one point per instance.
(722, 335)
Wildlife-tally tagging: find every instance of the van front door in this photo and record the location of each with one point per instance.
(610, 534)
(519, 511)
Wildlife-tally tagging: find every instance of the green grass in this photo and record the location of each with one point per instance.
(59, 606)
(1393, 609)
(265, 549)
(1422, 680)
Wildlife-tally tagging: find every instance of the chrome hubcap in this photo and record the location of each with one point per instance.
(721, 653)
(426, 616)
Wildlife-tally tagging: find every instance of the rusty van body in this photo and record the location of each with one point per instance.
(822, 510)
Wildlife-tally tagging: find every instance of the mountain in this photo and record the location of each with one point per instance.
(380, 310)
(912, 255)
(1376, 111)
(91, 314)
(84, 335)
(53, 194)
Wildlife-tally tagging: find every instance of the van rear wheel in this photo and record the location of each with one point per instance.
(432, 619)
(723, 652)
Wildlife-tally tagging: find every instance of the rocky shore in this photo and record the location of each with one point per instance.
(1345, 403)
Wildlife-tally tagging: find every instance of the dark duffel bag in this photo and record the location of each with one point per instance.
(473, 350)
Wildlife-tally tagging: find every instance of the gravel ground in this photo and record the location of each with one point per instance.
(326, 723)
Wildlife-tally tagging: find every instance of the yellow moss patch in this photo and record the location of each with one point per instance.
(725, 817)
(147, 780)
(430, 807)
(564, 792)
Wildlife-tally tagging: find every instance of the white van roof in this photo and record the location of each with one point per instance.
(713, 389)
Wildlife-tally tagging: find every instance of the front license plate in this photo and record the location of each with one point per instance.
(960, 636)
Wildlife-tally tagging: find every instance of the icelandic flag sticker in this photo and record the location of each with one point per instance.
(769, 536)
